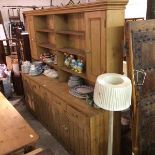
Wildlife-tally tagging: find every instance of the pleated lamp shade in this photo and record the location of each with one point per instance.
(113, 92)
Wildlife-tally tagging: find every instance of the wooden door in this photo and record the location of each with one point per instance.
(29, 95)
(59, 124)
(25, 86)
(32, 37)
(95, 44)
(78, 132)
(44, 109)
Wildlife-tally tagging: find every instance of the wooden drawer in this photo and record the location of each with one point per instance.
(76, 116)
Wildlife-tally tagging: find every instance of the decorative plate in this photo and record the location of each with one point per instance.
(77, 95)
(83, 89)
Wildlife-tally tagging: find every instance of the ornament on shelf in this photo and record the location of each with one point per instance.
(80, 66)
(67, 60)
(74, 63)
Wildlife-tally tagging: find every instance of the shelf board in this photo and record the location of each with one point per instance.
(83, 75)
(74, 51)
(68, 32)
(47, 45)
(45, 30)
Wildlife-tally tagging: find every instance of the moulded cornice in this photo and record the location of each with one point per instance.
(103, 5)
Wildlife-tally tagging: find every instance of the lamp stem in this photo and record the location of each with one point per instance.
(110, 135)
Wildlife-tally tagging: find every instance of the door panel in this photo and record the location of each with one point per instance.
(95, 44)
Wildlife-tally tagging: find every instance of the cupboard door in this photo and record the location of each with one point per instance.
(32, 38)
(95, 44)
(45, 108)
(26, 91)
(78, 139)
(78, 132)
(59, 123)
(30, 97)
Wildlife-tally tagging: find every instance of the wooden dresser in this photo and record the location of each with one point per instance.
(92, 32)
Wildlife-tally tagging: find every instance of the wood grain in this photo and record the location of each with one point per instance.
(15, 132)
(68, 118)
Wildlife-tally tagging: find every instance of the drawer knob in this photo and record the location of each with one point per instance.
(65, 128)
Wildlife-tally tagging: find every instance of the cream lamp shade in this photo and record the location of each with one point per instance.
(113, 92)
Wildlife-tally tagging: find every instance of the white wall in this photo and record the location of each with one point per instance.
(136, 8)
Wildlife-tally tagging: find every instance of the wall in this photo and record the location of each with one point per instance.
(136, 8)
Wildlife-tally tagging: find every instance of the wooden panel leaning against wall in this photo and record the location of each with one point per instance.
(93, 32)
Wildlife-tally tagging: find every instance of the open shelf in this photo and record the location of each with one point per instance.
(68, 32)
(83, 75)
(45, 30)
(47, 45)
(74, 51)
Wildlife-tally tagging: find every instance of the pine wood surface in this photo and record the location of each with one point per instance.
(103, 5)
(61, 89)
(79, 33)
(15, 132)
(78, 126)
(45, 30)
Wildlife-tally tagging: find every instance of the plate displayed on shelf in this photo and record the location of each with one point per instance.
(83, 89)
(77, 95)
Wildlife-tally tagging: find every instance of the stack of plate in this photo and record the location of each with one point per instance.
(51, 73)
(81, 91)
(74, 81)
(25, 67)
(35, 70)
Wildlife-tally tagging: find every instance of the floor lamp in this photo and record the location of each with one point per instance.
(113, 93)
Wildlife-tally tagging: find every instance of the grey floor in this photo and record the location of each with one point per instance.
(46, 140)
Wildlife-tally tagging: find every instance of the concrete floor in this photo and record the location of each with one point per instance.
(46, 140)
